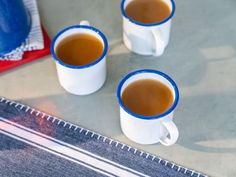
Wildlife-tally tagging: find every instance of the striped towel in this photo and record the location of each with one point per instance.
(35, 38)
(36, 144)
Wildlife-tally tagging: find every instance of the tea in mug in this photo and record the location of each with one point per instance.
(79, 49)
(147, 97)
(148, 11)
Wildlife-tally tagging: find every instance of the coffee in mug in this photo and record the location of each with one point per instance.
(147, 97)
(148, 11)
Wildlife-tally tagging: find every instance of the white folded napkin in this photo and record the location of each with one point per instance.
(35, 39)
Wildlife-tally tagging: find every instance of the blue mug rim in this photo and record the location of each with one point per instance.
(151, 24)
(176, 90)
(84, 27)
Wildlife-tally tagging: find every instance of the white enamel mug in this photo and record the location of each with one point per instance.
(146, 39)
(149, 129)
(85, 79)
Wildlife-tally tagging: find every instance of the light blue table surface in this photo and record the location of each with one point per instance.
(201, 58)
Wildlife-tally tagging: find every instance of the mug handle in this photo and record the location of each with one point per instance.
(159, 43)
(85, 23)
(173, 132)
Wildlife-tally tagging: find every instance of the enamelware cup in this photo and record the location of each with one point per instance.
(146, 39)
(85, 79)
(149, 129)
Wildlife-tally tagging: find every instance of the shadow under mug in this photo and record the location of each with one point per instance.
(15, 24)
(84, 79)
(146, 39)
(149, 129)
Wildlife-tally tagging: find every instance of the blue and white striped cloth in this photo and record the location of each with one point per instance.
(35, 39)
(34, 143)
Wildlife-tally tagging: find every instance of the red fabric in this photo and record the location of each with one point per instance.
(28, 56)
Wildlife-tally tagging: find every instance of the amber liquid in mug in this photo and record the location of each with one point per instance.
(147, 97)
(79, 49)
(147, 11)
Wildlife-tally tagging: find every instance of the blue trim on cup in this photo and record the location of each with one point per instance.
(82, 66)
(151, 24)
(118, 94)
